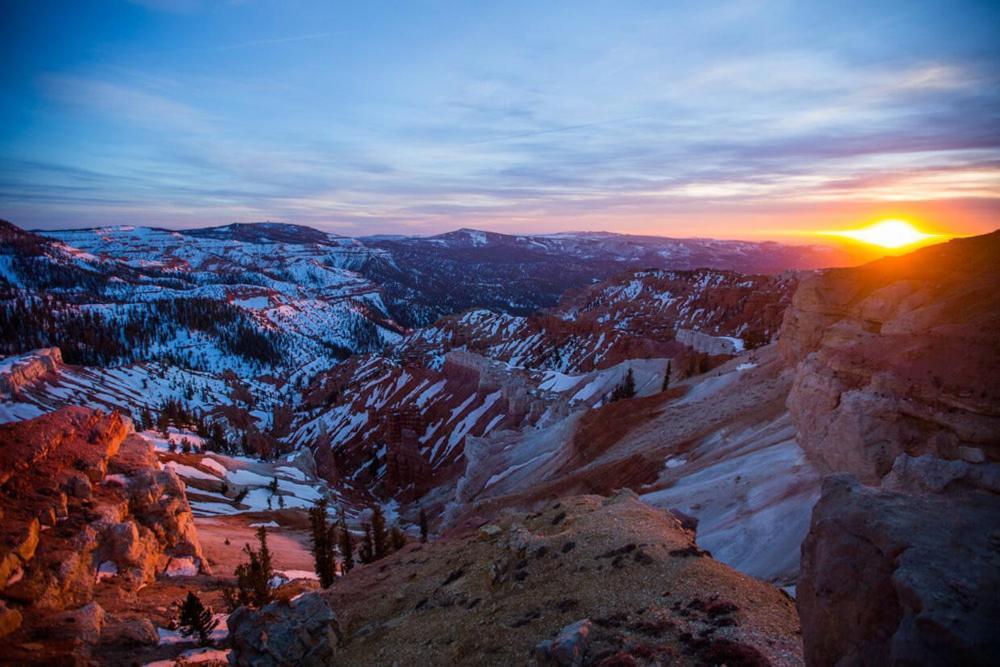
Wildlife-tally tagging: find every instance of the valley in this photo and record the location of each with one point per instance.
(561, 409)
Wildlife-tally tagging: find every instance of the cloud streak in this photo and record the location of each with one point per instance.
(531, 119)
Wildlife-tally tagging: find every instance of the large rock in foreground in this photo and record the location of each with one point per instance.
(900, 579)
(301, 632)
(87, 510)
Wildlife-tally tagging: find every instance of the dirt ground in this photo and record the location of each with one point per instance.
(289, 544)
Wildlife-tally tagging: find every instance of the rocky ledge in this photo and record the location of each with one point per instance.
(900, 579)
(897, 388)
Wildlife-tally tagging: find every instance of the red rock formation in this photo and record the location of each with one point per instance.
(899, 356)
(83, 494)
(28, 368)
(406, 469)
(898, 385)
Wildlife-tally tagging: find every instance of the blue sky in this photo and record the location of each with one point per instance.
(739, 119)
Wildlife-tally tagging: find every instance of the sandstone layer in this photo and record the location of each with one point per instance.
(899, 356)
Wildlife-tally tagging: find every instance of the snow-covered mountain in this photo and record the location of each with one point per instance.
(241, 323)
(518, 274)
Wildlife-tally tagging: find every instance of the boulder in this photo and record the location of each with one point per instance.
(23, 551)
(10, 620)
(84, 624)
(568, 647)
(900, 578)
(303, 632)
(78, 485)
(489, 531)
(131, 631)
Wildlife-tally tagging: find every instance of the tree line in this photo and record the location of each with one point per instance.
(92, 337)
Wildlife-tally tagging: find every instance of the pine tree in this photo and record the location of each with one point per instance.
(666, 378)
(380, 537)
(346, 545)
(367, 552)
(626, 388)
(253, 578)
(322, 547)
(195, 619)
(397, 538)
(423, 525)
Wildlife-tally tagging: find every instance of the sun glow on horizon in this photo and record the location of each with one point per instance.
(891, 234)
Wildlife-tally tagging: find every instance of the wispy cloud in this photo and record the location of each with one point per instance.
(529, 117)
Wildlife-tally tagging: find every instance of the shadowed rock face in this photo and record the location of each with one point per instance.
(900, 579)
(301, 632)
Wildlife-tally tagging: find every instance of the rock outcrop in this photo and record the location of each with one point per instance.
(899, 356)
(86, 506)
(900, 579)
(301, 632)
(20, 371)
(897, 387)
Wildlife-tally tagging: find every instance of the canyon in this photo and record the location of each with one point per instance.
(629, 450)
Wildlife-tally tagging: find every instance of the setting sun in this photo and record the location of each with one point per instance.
(887, 234)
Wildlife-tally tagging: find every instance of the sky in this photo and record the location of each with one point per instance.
(747, 119)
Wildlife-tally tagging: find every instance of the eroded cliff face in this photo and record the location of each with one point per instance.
(899, 356)
(86, 505)
(897, 392)
(28, 368)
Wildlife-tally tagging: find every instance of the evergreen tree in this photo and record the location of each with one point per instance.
(346, 545)
(666, 378)
(322, 547)
(195, 619)
(367, 552)
(380, 536)
(625, 389)
(253, 578)
(397, 538)
(423, 525)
